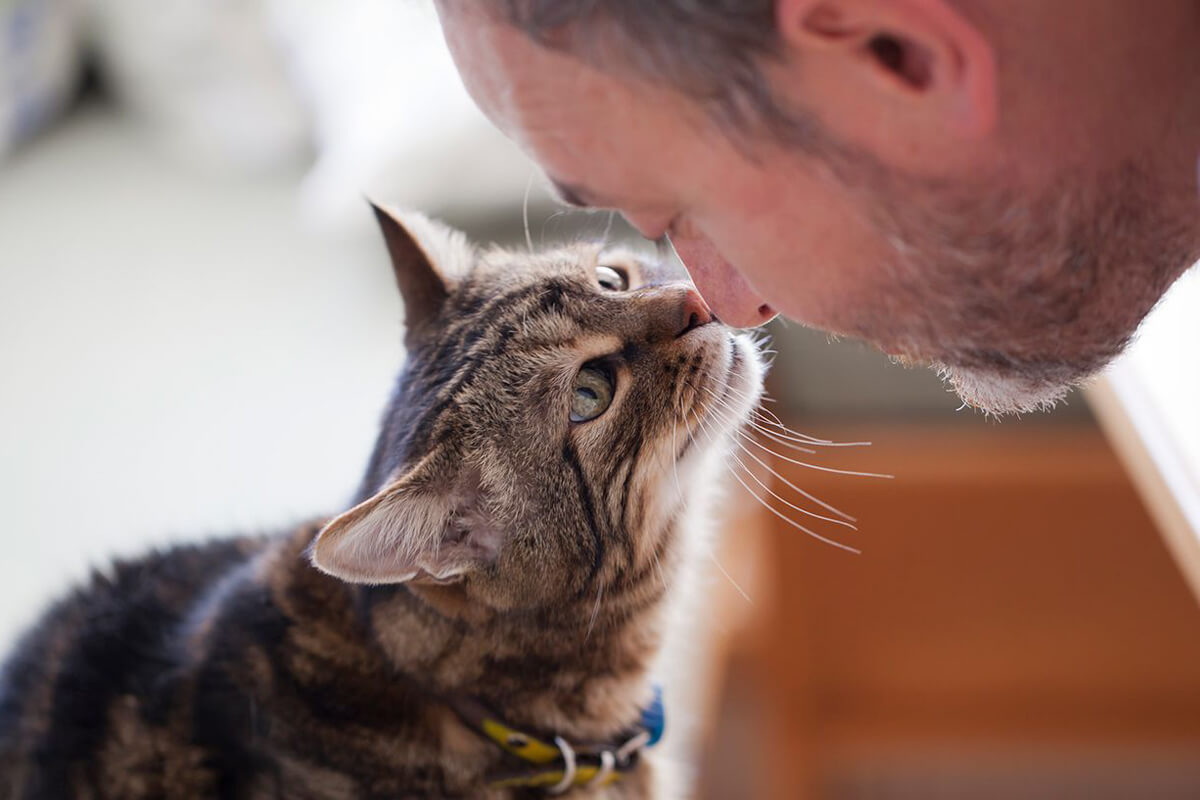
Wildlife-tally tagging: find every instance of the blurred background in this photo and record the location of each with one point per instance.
(198, 330)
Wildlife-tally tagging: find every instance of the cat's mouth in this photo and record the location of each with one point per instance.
(724, 403)
(742, 382)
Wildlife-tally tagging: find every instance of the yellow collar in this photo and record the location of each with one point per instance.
(555, 764)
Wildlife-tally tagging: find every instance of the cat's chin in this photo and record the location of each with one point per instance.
(741, 386)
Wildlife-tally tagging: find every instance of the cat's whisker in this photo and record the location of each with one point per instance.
(767, 417)
(525, 210)
(792, 522)
(713, 558)
(551, 218)
(787, 433)
(759, 427)
(818, 467)
(712, 555)
(708, 436)
(761, 417)
(782, 442)
(793, 486)
(782, 439)
(674, 458)
(760, 338)
(772, 418)
(750, 423)
(763, 502)
(595, 609)
(739, 462)
(781, 499)
(804, 444)
(711, 396)
(662, 576)
(784, 431)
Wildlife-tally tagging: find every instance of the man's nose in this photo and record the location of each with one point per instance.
(651, 226)
(736, 303)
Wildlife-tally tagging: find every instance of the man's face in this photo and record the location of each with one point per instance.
(1016, 292)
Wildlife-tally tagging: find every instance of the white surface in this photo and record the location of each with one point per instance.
(1165, 361)
(365, 92)
(390, 114)
(207, 79)
(178, 357)
(1154, 418)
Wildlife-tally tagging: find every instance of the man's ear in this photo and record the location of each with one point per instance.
(427, 258)
(895, 60)
(412, 530)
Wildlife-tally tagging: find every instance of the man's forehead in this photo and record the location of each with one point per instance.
(555, 105)
(518, 84)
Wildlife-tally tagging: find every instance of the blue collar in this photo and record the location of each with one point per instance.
(654, 717)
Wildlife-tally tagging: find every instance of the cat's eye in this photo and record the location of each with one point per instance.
(613, 279)
(592, 393)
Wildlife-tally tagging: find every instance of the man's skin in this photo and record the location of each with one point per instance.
(1003, 193)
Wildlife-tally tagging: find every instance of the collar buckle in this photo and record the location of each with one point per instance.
(557, 766)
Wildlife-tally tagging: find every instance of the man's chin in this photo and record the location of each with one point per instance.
(1001, 385)
(1000, 394)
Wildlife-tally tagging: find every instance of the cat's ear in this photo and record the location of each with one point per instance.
(412, 530)
(427, 258)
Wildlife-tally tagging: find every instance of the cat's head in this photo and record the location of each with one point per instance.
(555, 413)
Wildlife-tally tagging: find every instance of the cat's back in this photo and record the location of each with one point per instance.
(114, 638)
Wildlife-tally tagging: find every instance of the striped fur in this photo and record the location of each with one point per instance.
(496, 549)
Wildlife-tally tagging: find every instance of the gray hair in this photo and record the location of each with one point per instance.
(711, 50)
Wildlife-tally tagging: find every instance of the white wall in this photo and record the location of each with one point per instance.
(177, 357)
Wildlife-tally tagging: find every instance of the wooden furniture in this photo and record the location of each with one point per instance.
(1014, 628)
(1149, 405)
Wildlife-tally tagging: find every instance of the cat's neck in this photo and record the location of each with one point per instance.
(569, 670)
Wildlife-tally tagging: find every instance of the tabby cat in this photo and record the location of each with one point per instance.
(480, 623)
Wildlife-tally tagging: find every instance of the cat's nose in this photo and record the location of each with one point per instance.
(674, 310)
(694, 312)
